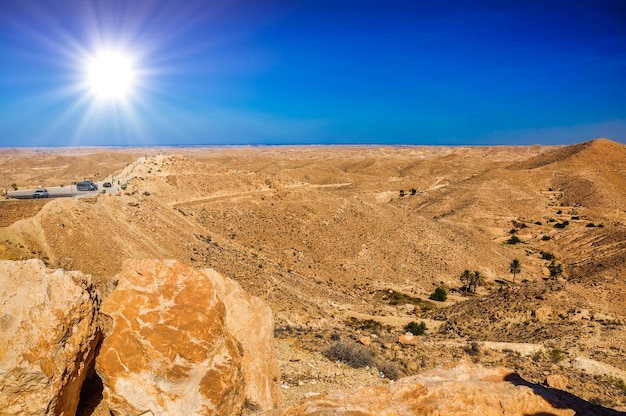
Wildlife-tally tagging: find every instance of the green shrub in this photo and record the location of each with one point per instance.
(350, 353)
(415, 328)
(440, 294)
(513, 240)
(590, 225)
(555, 269)
(545, 238)
(547, 256)
(557, 355)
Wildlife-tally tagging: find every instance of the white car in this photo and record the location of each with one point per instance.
(41, 193)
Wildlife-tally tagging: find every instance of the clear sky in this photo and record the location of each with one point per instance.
(314, 71)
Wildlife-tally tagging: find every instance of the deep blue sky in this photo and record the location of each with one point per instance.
(296, 72)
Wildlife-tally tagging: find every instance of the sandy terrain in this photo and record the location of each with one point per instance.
(323, 235)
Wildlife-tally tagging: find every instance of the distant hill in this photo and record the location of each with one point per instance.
(598, 152)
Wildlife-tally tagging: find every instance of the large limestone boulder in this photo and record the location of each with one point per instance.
(169, 349)
(464, 389)
(250, 321)
(48, 334)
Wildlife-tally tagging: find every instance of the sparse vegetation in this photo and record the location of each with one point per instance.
(547, 255)
(415, 328)
(389, 370)
(396, 298)
(350, 353)
(561, 224)
(401, 192)
(14, 186)
(556, 269)
(413, 191)
(473, 349)
(590, 225)
(513, 240)
(515, 267)
(440, 294)
(617, 382)
(367, 325)
(471, 280)
(556, 355)
(545, 238)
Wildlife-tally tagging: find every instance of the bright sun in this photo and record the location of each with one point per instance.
(110, 75)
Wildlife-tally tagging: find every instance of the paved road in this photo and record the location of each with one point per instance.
(62, 192)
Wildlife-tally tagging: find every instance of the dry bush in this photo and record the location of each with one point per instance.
(350, 353)
(473, 349)
(389, 370)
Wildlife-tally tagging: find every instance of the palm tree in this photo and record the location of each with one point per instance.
(476, 279)
(515, 268)
(466, 278)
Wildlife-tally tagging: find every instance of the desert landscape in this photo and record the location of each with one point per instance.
(378, 263)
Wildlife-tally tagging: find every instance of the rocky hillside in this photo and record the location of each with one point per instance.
(348, 243)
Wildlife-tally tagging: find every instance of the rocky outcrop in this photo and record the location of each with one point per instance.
(464, 389)
(48, 334)
(251, 322)
(169, 348)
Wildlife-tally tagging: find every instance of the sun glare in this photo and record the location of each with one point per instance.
(110, 75)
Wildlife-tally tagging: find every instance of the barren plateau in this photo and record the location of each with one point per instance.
(348, 243)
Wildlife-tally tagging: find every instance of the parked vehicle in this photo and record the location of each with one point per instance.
(41, 193)
(86, 186)
(106, 184)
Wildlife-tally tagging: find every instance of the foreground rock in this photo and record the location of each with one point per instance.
(251, 322)
(48, 334)
(461, 390)
(168, 348)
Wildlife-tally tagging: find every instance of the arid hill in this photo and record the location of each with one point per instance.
(349, 242)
